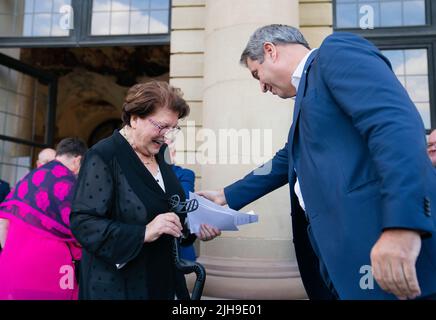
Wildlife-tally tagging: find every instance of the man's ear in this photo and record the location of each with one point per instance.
(270, 50)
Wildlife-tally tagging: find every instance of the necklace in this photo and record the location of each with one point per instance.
(145, 162)
(123, 132)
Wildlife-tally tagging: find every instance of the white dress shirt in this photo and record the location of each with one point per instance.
(159, 180)
(295, 80)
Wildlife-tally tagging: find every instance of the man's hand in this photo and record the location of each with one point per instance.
(393, 260)
(208, 232)
(216, 196)
(165, 223)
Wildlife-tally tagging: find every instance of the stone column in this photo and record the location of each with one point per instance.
(257, 262)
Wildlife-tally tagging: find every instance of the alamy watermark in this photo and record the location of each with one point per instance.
(367, 280)
(205, 146)
(66, 282)
(66, 20)
(366, 20)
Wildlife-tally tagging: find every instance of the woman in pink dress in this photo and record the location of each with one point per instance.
(39, 252)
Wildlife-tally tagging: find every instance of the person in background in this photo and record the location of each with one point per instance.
(44, 156)
(186, 178)
(4, 190)
(431, 147)
(39, 251)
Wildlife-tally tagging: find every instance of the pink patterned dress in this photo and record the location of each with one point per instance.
(37, 261)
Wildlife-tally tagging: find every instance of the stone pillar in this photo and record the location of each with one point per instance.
(257, 262)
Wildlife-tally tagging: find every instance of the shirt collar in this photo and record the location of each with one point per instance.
(298, 73)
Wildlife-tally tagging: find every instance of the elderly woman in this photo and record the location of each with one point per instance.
(120, 211)
(39, 251)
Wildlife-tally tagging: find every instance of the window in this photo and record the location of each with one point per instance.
(411, 68)
(15, 161)
(387, 13)
(405, 31)
(27, 98)
(32, 18)
(25, 23)
(115, 17)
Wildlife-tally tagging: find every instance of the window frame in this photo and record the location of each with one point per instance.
(425, 30)
(80, 35)
(47, 79)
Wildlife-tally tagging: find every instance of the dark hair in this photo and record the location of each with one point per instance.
(144, 98)
(72, 147)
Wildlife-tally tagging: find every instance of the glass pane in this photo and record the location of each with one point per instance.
(101, 5)
(31, 18)
(390, 14)
(159, 4)
(140, 4)
(41, 24)
(57, 5)
(100, 23)
(387, 13)
(56, 29)
(28, 23)
(15, 161)
(346, 15)
(120, 23)
(159, 22)
(28, 6)
(424, 110)
(414, 13)
(416, 62)
(122, 17)
(411, 68)
(120, 5)
(139, 22)
(21, 111)
(396, 57)
(3, 101)
(44, 6)
(417, 87)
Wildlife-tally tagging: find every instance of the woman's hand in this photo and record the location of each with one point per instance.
(164, 223)
(208, 232)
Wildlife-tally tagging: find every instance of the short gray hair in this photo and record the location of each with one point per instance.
(274, 33)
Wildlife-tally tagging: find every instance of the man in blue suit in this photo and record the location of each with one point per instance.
(356, 163)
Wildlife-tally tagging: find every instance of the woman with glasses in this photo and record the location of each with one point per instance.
(120, 212)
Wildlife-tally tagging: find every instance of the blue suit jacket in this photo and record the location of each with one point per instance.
(186, 178)
(358, 146)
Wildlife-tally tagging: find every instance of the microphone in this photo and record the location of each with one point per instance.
(181, 208)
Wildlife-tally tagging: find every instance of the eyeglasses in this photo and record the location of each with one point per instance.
(169, 133)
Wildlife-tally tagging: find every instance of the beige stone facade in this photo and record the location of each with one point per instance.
(207, 37)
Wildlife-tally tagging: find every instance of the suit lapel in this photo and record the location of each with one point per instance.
(301, 91)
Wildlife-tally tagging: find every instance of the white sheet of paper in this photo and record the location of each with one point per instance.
(223, 218)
